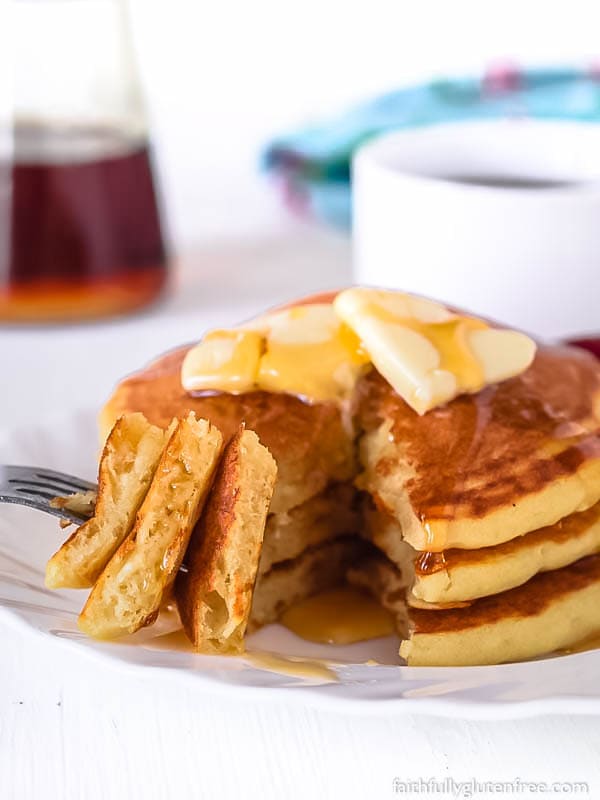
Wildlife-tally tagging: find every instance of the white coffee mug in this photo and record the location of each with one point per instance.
(501, 218)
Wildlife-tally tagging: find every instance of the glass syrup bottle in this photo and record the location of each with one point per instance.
(80, 224)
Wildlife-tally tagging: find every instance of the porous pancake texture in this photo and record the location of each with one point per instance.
(483, 515)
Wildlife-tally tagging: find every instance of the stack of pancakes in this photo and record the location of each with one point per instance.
(497, 494)
(482, 517)
(310, 538)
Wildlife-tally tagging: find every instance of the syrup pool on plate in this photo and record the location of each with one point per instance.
(339, 616)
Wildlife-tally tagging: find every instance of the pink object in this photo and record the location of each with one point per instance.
(593, 345)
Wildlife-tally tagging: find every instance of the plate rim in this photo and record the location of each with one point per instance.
(308, 694)
(315, 695)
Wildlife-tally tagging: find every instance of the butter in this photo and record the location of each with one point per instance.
(310, 353)
(305, 351)
(225, 360)
(427, 353)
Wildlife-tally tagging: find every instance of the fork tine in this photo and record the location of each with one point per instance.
(69, 480)
(56, 489)
(37, 487)
(27, 491)
(42, 504)
(49, 477)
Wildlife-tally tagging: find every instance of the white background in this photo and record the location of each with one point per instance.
(221, 78)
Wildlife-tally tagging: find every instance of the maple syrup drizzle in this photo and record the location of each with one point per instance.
(428, 562)
(309, 669)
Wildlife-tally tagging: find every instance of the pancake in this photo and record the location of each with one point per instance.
(128, 594)
(310, 443)
(384, 581)
(455, 576)
(486, 468)
(458, 575)
(383, 531)
(553, 611)
(127, 466)
(490, 503)
(328, 515)
(214, 593)
(315, 570)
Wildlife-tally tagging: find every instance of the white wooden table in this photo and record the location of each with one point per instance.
(72, 729)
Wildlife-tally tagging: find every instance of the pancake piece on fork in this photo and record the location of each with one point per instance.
(214, 592)
(128, 593)
(127, 466)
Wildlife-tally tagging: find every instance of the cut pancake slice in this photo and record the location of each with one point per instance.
(553, 611)
(325, 516)
(214, 593)
(386, 582)
(129, 591)
(382, 530)
(127, 466)
(315, 570)
(486, 468)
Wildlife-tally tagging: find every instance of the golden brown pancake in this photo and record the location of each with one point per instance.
(486, 468)
(456, 576)
(552, 611)
(309, 442)
(127, 466)
(214, 593)
(325, 516)
(129, 591)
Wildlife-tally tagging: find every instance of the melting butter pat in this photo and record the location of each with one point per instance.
(306, 351)
(225, 361)
(427, 353)
(311, 353)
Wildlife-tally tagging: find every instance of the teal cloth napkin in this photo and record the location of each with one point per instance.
(312, 165)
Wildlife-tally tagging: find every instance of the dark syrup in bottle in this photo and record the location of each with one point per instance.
(80, 230)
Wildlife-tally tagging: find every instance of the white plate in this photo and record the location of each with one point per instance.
(27, 539)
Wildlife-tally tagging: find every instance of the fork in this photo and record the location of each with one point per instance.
(35, 487)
